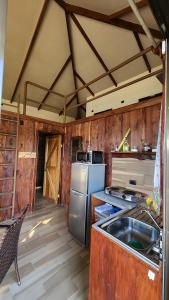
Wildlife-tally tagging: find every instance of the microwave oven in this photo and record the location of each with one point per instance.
(92, 156)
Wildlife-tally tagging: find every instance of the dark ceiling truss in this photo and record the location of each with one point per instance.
(69, 31)
(40, 87)
(119, 66)
(157, 72)
(83, 82)
(108, 19)
(44, 105)
(31, 45)
(127, 10)
(71, 100)
(55, 80)
(79, 26)
(70, 10)
(124, 63)
(139, 43)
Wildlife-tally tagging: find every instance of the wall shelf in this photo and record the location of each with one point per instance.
(138, 155)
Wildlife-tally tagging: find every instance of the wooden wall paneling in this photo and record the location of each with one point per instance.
(7, 126)
(136, 125)
(5, 200)
(106, 133)
(97, 134)
(26, 166)
(85, 133)
(126, 125)
(6, 171)
(152, 117)
(117, 133)
(109, 143)
(6, 185)
(7, 157)
(113, 136)
(102, 133)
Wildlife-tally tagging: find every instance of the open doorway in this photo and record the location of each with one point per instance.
(48, 169)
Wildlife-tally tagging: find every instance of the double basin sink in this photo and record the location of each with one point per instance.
(134, 233)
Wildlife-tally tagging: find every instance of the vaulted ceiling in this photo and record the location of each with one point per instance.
(62, 45)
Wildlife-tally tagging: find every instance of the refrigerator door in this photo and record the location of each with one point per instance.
(79, 177)
(77, 215)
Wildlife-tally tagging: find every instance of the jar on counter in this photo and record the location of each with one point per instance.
(146, 147)
(126, 146)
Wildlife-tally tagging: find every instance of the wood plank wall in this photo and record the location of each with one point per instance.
(101, 132)
(106, 131)
(26, 169)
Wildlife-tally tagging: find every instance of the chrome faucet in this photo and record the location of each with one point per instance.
(149, 214)
(158, 245)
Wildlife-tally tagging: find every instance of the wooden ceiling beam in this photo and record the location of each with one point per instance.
(127, 10)
(31, 45)
(119, 88)
(106, 19)
(61, 3)
(83, 82)
(92, 47)
(119, 66)
(134, 27)
(139, 43)
(43, 104)
(72, 55)
(55, 81)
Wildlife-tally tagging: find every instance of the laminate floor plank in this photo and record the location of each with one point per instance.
(52, 265)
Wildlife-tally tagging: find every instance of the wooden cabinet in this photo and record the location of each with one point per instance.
(116, 274)
(94, 202)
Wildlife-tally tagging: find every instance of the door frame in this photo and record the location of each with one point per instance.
(53, 132)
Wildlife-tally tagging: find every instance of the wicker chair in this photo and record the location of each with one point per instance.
(9, 245)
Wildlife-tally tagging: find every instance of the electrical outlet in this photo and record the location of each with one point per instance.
(132, 181)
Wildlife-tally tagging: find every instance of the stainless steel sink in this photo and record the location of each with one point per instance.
(134, 233)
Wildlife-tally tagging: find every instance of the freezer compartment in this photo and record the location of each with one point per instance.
(77, 215)
(79, 178)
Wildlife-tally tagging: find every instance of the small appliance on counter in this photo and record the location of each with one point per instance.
(124, 193)
(91, 156)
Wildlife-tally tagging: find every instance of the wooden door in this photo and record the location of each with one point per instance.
(52, 167)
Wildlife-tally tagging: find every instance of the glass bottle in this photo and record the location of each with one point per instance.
(125, 146)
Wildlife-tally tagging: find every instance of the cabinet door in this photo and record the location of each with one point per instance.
(116, 274)
(147, 288)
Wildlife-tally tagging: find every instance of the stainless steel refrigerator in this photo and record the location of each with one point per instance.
(85, 179)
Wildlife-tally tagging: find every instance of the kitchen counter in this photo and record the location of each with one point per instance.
(125, 205)
(131, 210)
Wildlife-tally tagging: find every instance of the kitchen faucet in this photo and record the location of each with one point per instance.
(158, 247)
(149, 214)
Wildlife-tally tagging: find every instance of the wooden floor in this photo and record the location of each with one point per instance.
(52, 265)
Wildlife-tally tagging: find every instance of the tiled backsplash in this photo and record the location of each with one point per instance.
(125, 170)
